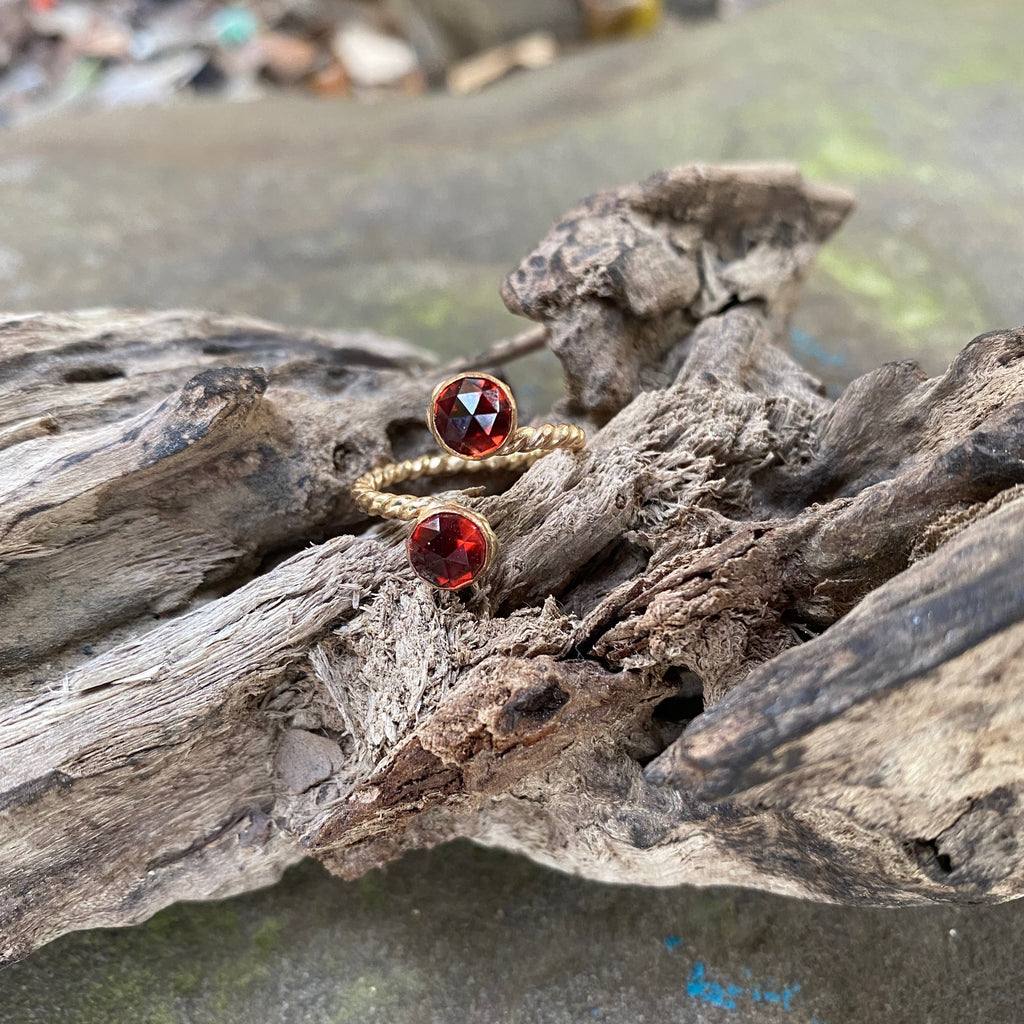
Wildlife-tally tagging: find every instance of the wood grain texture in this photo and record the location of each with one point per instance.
(749, 635)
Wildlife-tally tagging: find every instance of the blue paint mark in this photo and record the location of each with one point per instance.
(808, 345)
(710, 991)
(671, 941)
(782, 998)
(699, 986)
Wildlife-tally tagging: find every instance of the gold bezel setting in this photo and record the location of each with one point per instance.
(481, 523)
(501, 386)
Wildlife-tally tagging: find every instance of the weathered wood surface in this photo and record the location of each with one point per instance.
(214, 666)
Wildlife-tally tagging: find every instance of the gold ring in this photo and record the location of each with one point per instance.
(473, 417)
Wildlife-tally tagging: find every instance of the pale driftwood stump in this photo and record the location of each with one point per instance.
(748, 636)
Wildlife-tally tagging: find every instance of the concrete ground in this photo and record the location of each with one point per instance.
(461, 935)
(403, 217)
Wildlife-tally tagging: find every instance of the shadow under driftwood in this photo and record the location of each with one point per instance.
(747, 636)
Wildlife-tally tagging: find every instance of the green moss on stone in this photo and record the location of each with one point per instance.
(455, 311)
(906, 292)
(386, 994)
(266, 936)
(371, 889)
(972, 71)
(848, 144)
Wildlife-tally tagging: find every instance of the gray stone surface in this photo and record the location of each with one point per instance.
(403, 217)
(466, 936)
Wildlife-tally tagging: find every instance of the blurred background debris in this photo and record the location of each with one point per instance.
(95, 54)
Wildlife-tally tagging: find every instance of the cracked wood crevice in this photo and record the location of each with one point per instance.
(214, 666)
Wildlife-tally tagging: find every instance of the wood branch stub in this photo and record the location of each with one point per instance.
(747, 636)
(624, 276)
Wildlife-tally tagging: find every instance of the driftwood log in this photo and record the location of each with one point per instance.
(750, 635)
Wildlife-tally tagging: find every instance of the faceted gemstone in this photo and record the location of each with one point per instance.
(473, 416)
(447, 549)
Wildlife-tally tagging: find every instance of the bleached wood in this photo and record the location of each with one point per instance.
(214, 665)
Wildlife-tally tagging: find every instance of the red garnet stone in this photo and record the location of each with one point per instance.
(448, 549)
(473, 416)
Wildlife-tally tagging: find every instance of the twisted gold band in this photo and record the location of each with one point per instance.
(545, 438)
(526, 446)
(368, 496)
